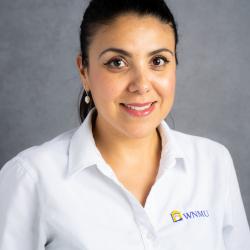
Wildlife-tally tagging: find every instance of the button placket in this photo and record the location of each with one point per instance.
(150, 239)
(146, 229)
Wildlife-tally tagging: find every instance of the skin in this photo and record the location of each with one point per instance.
(132, 145)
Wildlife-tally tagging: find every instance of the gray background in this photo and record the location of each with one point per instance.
(39, 83)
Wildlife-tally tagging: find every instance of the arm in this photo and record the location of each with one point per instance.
(21, 225)
(235, 228)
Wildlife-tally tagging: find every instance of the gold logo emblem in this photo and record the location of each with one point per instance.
(176, 216)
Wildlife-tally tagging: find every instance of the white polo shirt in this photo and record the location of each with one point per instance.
(62, 195)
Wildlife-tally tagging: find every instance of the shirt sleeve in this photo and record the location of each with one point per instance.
(20, 210)
(235, 228)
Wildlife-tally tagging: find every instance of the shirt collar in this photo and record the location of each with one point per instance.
(83, 152)
(173, 149)
(82, 149)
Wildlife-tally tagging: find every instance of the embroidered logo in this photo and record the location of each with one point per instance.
(178, 216)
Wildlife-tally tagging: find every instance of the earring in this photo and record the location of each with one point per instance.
(87, 97)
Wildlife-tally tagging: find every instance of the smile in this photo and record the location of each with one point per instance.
(139, 109)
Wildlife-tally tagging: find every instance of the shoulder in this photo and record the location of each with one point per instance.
(49, 156)
(201, 147)
(209, 161)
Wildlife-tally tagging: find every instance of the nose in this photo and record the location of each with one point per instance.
(139, 82)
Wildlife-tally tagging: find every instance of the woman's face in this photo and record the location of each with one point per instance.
(131, 74)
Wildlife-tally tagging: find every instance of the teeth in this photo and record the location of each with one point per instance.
(138, 108)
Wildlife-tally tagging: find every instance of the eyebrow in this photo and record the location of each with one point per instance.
(125, 53)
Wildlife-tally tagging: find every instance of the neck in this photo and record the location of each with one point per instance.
(116, 147)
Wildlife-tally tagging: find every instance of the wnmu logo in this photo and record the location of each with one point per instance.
(178, 216)
(196, 214)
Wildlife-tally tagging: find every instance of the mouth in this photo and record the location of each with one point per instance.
(138, 106)
(139, 109)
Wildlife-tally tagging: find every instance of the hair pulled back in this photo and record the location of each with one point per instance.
(104, 12)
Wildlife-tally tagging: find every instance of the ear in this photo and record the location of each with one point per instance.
(82, 72)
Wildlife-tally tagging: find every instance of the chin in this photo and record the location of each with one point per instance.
(138, 132)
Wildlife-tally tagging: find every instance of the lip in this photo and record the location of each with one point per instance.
(138, 104)
(139, 113)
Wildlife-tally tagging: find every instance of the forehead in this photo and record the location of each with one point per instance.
(132, 32)
(127, 20)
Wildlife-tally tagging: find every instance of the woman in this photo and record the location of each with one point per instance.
(124, 179)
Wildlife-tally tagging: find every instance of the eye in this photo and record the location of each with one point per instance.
(116, 63)
(160, 61)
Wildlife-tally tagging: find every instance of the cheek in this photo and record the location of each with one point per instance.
(166, 86)
(104, 88)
